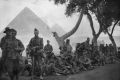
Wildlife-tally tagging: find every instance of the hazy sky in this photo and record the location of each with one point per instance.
(45, 9)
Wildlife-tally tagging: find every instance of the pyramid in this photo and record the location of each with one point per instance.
(26, 21)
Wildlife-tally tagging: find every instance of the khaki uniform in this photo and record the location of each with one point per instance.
(2, 45)
(69, 48)
(48, 50)
(35, 46)
(11, 47)
(36, 42)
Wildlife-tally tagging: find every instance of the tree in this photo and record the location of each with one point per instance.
(102, 9)
(78, 6)
(110, 18)
(60, 40)
(71, 8)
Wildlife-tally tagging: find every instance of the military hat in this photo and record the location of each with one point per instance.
(36, 30)
(48, 41)
(6, 29)
(13, 30)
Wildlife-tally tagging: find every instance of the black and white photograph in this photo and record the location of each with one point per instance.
(59, 40)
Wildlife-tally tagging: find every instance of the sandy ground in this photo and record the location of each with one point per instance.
(108, 72)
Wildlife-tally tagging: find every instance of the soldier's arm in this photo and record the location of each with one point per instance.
(45, 48)
(21, 46)
(51, 48)
(41, 45)
(71, 47)
(30, 44)
(2, 42)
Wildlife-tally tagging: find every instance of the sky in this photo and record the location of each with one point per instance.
(47, 11)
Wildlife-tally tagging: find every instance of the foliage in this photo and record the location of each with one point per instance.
(74, 6)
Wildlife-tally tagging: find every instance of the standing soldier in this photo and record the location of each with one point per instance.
(2, 46)
(48, 49)
(3, 40)
(87, 43)
(13, 48)
(68, 47)
(36, 47)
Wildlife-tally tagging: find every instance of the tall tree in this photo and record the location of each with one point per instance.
(83, 7)
(72, 7)
(60, 40)
(110, 18)
(102, 9)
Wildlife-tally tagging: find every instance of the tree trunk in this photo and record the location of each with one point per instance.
(95, 36)
(91, 23)
(114, 44)
(65, 36)
(94, 40)
(60, 40)
(111, 37)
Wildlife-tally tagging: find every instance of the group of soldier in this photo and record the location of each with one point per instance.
(40, 55)
(44, 62)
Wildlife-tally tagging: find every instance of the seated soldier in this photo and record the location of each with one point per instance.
(85, 61)
(67, 49)
(50, 66)
(60, 66)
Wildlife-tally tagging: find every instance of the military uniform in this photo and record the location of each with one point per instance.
(13, 48)
(2, 45)
(48, 50)
(69, 48)
(36, 42)
(36, 46)
(4, 52)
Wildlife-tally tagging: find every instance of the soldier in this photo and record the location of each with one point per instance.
(13, 45)
(48, 49)
(87, 43)
(106, 49)
(13, 48)
(86, 61)
(2, 46)
(111, 49)
(36, 49)
(3, 40)
(68, 46)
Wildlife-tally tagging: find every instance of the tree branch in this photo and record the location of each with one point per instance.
(91, 23)
(99, 32)
(114, 27)
(108, 32)
(74, 28)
